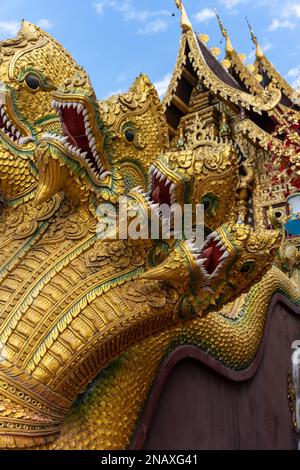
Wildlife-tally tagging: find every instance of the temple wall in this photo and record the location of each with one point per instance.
(195, 407)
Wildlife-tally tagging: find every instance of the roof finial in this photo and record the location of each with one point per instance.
(229, 47)
(259, 52)
(185, 22)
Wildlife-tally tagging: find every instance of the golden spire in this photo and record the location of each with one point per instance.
(185, 22)
(28, 30)
(259, 52)
(229, 47)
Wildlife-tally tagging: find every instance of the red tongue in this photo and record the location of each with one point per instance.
(155, 194)
(67, 133)
(207, 254)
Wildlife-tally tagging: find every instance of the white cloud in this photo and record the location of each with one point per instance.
(266, 47)
(162, 85)
(9, 28)
(112, 93)
(45, 23)
(277, 24)
(154, 27)
(293, 76)
(122, 77)
(292, 73)
(291, 9)
(204, 15)
(153, 20)
(100, 7)
(229, 4)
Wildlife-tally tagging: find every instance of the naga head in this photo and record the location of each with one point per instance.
(206, 175)
(31, 66)
(227, 264)
(105, 147)
(138, 128)
(77, 159)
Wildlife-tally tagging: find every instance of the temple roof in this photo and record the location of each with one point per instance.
(265, 68)
(264, 101)
(248, 80)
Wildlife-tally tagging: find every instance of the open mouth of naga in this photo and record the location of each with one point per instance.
(164, 191)
(10, 131)
(211, 257)
(79, 136)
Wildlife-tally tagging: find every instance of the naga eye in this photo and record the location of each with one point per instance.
(129, 135)
(32, 82)
(206, 204)
(246, 268)
(210, 203)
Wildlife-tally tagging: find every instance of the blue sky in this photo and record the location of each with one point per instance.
(115, 40)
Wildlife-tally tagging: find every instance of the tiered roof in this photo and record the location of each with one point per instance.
(257, 92)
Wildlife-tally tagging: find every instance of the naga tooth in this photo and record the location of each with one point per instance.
(167, 182)
(70, 105)
(2, 111)
(222, 248)
(220, 244)
(106, 173)
(208, 289)
(172, 187)
(25, 140)
(80, 108)
(162, 177)
(200, 261)
(53, 104)
(213, 235)
(84, 154)
(224, 256)
(13, 129)
(18, 134)
(4, 118)
(155, 171)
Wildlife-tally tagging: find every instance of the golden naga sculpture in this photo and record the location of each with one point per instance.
(72, 302)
